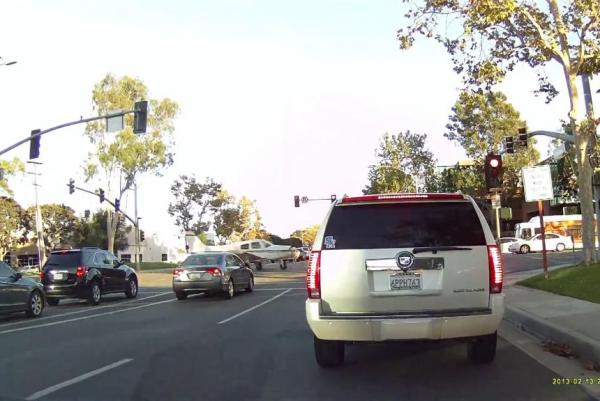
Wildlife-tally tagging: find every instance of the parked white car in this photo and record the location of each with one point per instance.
(505, 243)
(554, 242)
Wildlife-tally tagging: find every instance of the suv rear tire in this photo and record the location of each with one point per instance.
(95, 293)
(483, 349)
(329, 353)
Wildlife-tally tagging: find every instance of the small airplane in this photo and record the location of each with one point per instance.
(259, 251)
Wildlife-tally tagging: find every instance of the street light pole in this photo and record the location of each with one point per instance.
(589, 109)
(39, 228)
(138, 265)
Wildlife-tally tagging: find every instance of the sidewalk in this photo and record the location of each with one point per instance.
(561, 319)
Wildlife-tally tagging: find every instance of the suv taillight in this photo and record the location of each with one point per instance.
(80, 272)
(496, 269)
(313, 275)
(42, 275)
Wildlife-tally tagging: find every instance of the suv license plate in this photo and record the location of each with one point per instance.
(406, 282)
(58, 276)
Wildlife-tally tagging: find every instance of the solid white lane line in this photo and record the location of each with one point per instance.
(254, 307)
(84, 317)
(77, 379)
(88, 309)
(279, 289)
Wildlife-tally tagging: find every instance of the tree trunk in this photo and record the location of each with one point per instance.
(584, 178)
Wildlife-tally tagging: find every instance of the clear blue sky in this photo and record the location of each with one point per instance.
(277, 98)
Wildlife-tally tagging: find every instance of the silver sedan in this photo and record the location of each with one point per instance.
(212, 272)
(20, 294)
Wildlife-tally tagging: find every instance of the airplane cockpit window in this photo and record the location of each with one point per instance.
(245, 246)
(255, 245)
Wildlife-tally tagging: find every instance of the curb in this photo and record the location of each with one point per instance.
(584, 346)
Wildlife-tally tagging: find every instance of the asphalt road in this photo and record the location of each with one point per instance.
(256, 346)
(517, 262)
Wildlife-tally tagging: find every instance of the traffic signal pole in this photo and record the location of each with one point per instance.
(140, 116)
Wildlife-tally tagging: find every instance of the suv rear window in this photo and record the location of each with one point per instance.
(403, 225)
(64, 259)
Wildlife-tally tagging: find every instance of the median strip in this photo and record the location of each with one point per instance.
(56, 387)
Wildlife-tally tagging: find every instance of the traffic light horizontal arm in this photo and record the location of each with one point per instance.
(557, 135)
(81, 121)
(109, 202)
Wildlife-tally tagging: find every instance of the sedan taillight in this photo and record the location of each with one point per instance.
(214, 271)
(178, 271)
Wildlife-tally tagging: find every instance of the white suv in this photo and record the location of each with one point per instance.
(404, 267)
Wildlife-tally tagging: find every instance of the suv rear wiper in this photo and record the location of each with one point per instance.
(435, 249)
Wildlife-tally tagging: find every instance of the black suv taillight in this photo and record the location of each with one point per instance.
(80, 272)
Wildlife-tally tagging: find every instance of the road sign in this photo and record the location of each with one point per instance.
(538, 183)
(496, 201)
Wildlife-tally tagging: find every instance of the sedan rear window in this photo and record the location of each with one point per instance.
(64, 259)
(203, 260)
(403, 225)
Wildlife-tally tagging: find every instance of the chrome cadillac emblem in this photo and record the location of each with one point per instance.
(405, 260)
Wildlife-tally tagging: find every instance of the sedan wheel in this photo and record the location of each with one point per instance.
(560, 247)
(35, 305)
(250, 287)
(132, 288)
(524, 249)
(230, 290)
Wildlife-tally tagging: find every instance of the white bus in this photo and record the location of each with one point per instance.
(566, 224)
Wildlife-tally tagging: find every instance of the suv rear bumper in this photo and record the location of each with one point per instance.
(404, 328)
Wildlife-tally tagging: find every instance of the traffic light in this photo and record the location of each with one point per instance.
(117, 204)
(493, 171)
(522, 138)
(34, 145)
(101, 195)
(509, 144)
(333, 198)
(140, 117)
(296, 201)
(142, 235)
(71, 186)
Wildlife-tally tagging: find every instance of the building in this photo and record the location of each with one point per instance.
(163, 247)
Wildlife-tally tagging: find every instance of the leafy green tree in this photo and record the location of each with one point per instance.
(120, 160)
(10, 167)
(193, 202)
(58, 222)
(306, 235)
(402, 160)
(479, 123)
(486, 39)
(92, 231)
(12, 225)
(250, 223)
(467, 179)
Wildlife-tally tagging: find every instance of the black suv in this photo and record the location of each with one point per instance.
(86, 273)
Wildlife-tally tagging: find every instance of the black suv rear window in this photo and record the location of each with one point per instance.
(64, 259)
(403, 225)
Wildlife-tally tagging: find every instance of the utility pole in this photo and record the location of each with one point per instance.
(138, 265)
(39, 228)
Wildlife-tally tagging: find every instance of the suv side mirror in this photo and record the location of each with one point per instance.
(118, 263)
(18, 276)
